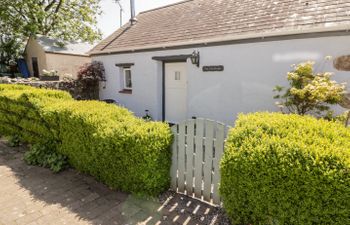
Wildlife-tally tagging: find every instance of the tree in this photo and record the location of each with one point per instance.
(10, 44)
(309, 93)
(66, 20)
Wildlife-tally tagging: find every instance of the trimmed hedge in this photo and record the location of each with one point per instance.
(286, 169)
(106, 141)
(20, 112)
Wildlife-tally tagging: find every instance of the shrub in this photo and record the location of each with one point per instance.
(309, 93)
(109, 143)
(94, 71)
(103, 140)
(14, 141)
(45, 155)
(89, 76)
(20, 114)
(286, 169)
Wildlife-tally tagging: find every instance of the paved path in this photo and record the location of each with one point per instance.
(33, 196)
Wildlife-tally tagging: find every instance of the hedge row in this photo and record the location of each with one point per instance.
(286, 169)
(20, 112)
(106, 141)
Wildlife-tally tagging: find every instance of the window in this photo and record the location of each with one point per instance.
(127, 79)
(177, 75)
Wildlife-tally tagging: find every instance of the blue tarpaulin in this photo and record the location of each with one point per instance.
(23, 68)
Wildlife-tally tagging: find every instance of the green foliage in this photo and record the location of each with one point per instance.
(45, 155)
(103, 140)
(309, 92)
(19, 114)
(10, 44)
(286, 169)
(66, 20)
(109, 143)
(61, 19)
(342, 118)
(14, 141)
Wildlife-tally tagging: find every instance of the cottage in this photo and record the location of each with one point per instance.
(216, 59)
(43, 53)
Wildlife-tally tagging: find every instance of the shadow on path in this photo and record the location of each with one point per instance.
(34, 195)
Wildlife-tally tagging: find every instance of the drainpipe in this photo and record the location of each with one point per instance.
(133, 19)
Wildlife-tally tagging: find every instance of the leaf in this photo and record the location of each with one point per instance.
(61, 19)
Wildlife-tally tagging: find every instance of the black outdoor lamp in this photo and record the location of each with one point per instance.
(195, 58)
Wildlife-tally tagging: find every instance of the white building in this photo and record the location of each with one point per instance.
(253, 43)
(43, 53)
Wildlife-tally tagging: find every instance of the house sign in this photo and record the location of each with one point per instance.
(213, 68)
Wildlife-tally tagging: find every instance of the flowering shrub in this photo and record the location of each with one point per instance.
(309, 92)
(94, 71)
(50, 73)
(89, 76)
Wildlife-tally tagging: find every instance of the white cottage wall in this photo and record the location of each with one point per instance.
(251, 72)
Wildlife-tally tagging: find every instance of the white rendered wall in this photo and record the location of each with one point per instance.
(65, 63)
(251, 72)
(33, 49)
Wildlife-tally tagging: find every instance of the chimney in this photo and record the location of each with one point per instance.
(133, 19)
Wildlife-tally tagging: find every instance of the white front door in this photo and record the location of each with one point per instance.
(175, 92)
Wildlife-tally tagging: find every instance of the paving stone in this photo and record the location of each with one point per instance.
(36, 196)
(29, 218)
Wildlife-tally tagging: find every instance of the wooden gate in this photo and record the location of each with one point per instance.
(197, 150)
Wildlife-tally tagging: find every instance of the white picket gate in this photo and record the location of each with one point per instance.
(197, 150)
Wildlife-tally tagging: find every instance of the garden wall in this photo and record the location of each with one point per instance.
(71, 86)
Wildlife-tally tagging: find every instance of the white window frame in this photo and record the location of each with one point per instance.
(124, 78)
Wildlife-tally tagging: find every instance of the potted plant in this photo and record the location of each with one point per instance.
(51, 75)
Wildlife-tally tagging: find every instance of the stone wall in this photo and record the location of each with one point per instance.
(74, 87)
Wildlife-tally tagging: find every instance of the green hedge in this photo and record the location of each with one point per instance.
(286, 169)
(106, 141)
(21, 108)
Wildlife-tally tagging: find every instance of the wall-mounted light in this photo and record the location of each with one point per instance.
(195, 58)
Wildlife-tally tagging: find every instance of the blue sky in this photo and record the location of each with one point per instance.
(109, 21)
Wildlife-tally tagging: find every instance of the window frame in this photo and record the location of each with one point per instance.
(124, 79)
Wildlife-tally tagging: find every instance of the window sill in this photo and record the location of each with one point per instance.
(125, 91)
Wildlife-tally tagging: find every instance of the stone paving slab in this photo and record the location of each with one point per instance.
(32, 195)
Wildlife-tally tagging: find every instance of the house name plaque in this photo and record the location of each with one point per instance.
(213, 68)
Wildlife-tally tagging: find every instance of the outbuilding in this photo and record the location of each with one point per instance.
(44, 53)
(216, 59)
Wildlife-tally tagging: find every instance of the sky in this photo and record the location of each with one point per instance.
(109, 21)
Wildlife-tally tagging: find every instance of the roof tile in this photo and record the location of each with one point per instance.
(196, 20)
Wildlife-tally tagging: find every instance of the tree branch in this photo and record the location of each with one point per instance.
(42, 2)
(58, 6)
(50, 5)
(20, 12)
(54, 14)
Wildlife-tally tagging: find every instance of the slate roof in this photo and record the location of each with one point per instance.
(205, 21)
(73, 48)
